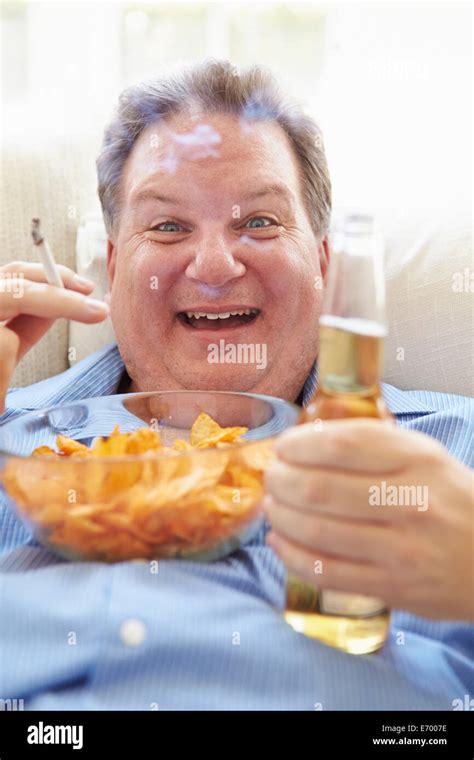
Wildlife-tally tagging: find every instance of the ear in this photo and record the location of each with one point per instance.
(324, 256)
(111, 261)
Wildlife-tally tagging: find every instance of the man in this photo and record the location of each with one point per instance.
(216, 199)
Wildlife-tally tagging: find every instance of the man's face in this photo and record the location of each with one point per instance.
(213, 222)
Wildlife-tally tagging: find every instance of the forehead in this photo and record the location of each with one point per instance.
(218, 150)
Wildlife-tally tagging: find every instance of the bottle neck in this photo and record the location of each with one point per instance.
(352, 324)
(350, 356)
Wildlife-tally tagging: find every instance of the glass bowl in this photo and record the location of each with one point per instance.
(194, 503)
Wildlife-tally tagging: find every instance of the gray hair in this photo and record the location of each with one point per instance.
(214, 86)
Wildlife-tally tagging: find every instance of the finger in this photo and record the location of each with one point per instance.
(342, 538)
(327, 572)
(9, 343)
(35, 272)
(29, 331)
(50, 302)
(363, 445)
(336, 493)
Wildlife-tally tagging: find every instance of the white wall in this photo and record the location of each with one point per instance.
(396, 104)
(389, 82)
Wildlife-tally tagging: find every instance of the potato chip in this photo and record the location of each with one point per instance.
(258, 455)
(157, 501)
(143, 440)
(205, 432)
(68, 446)
(113, 445)
(42, 451)
(181, 445)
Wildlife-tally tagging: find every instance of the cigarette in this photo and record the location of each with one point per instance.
(46, 255)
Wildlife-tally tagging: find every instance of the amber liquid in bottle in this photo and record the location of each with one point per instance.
(349, 366)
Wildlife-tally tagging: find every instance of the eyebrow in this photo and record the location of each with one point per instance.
(152, 195)
(274, 189)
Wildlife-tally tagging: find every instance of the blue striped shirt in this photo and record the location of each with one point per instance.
(205, 636)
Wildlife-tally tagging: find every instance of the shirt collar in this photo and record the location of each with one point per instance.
(97, 375)
(100, 373)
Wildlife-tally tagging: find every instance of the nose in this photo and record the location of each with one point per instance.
(214, 264)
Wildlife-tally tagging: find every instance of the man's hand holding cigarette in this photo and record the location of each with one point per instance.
(29, 306)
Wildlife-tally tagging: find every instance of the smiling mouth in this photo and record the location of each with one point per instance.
(201, 320)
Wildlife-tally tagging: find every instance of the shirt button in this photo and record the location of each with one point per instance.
(133, 632)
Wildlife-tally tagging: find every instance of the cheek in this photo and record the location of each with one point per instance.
(293, 276)
(141, 278)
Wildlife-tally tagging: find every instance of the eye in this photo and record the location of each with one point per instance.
(168, 227)
(259, 221)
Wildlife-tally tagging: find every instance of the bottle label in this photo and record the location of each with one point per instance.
(349, 605)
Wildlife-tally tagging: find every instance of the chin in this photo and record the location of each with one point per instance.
(222, 379)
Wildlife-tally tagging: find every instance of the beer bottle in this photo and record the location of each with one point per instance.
(352, 331)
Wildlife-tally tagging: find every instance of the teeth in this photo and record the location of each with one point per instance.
(221, 315)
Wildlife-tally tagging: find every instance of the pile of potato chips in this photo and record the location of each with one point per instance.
(131, 497)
